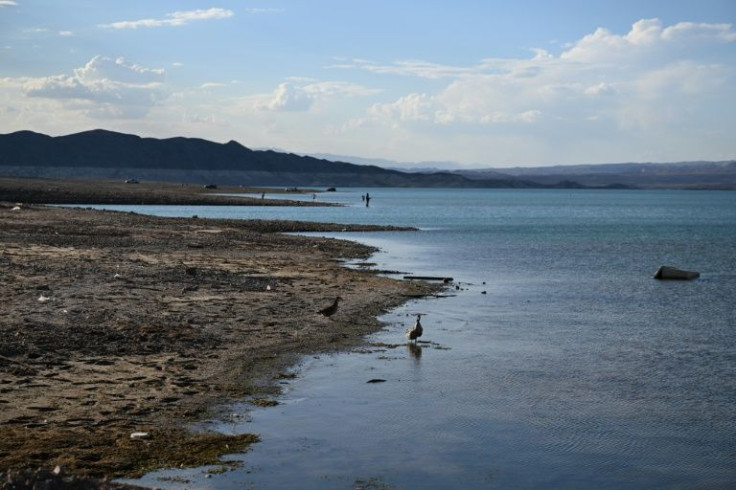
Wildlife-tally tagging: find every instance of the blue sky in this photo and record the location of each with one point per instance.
(482, 83)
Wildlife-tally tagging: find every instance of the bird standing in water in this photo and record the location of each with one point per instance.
(332, 309)
(416, 331)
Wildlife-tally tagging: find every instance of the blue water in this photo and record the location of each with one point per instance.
(559, 363)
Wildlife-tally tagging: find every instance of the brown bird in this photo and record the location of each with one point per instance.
(332, 309)
(416, 331)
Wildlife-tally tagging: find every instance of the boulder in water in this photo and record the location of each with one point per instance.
(667, 272)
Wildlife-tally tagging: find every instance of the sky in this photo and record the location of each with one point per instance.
(481, 83)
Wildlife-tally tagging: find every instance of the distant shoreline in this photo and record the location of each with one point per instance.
(78, 191)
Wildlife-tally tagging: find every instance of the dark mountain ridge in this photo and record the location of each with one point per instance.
(106, 154)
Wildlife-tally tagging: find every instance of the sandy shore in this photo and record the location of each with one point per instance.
(115, 323)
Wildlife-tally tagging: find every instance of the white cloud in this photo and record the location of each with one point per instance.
(103, 88)
(600, 89)
(8, 3)
(699, 31)
(66, 33)
(647, 38)
(655, 89)
(118, 70)
(444, 110)
(337, 88)
(600, 77)
(288, 97)
(300, 94)
(414, 68)
(412, 107)
(208, 85)
(174, 19)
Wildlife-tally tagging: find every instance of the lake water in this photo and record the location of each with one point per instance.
(560, 363)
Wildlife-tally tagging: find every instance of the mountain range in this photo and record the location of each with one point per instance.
(675, 175)
(110, 155)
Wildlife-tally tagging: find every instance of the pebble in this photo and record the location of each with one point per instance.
(139, 436)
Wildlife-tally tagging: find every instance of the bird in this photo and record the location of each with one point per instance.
(332, 309)
(416, 331)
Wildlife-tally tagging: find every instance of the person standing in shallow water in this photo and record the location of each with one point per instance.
(367, 199)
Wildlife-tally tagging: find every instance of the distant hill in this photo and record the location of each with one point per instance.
(109, 155)
(680, 175)
(106, 154)
(676, 175)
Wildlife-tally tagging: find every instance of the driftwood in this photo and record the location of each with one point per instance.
(429, 278)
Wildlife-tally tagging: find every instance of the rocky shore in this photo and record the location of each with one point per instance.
(118, 323)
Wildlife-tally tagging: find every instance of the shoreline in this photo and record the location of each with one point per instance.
(83, 192)
(122, 323)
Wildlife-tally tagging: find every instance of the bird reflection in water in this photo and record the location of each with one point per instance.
(414, 350)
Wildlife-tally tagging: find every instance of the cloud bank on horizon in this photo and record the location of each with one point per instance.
(654, 91)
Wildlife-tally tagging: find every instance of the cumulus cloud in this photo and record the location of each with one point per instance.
(604, 77)
(174, 19)
(441, 110)
(104, 87)
(288, 97)
(301, 94)
(647, 37)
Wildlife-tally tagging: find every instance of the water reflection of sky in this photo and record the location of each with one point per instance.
(575, 370)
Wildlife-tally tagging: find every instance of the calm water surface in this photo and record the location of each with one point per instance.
(560, 363)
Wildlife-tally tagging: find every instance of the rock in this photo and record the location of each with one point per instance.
(139, 436)
(376, 380)
(667, 272)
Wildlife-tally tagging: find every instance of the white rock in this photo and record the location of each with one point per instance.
(138, 436)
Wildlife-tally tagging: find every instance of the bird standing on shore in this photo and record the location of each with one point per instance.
(332, 309)
(416, 331)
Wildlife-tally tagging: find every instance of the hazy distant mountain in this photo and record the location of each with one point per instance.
(689, 175)
(107, 154)
(682, 175)
(424, 166)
